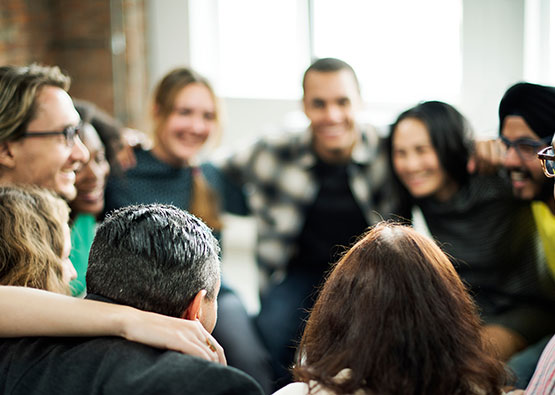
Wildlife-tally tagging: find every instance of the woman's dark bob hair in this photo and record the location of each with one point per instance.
(395, 312)
(450, 134)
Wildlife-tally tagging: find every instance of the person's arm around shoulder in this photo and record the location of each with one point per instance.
(21, 308)
(487, 157)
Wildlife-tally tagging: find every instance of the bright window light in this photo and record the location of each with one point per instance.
(403, 51)
(263, 48)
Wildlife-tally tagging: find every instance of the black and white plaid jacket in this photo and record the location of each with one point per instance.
(276, 173)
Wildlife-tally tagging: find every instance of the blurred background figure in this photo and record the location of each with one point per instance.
(490, 236)
(102, 136)
(311, 192)
(526, 124)
(186, 119)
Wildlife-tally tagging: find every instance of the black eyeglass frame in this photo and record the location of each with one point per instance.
(69, 133)
(536, 144)
(544, 156)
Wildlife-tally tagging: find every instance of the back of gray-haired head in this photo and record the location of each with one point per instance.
(153, 257)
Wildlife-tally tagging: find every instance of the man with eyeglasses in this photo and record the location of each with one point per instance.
(527, 123)
(39, 139)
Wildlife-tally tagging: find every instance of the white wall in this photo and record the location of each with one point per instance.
(493, 57)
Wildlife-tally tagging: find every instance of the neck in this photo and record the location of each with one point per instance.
(334, 156)
(161, 155)
(447, 192)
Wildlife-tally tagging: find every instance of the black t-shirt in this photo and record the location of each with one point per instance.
(332, 223)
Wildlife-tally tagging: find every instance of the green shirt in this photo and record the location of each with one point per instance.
(82, 235)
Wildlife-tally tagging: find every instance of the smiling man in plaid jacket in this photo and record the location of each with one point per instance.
(312, 194)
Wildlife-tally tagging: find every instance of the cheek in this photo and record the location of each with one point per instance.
(171, 127)
(432, 163)
(398, 165)
(314, 116)
(536, 169)
(105, 170)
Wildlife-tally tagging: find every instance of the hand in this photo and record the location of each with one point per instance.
(487, 157)
(130, 139)
(186, 336)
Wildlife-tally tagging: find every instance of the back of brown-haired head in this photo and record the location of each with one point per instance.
(394, 311)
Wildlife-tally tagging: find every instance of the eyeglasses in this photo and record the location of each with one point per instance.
(70, 133)
(547, 159)
(525, 148)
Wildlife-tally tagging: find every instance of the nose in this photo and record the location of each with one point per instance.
(79, 153)
(412, 162)
(198, 125)
(333, 114)
(512, 159)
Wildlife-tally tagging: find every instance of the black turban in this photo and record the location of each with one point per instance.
(534, 103)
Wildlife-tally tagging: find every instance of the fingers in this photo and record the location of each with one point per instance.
(126, 158)
(487, 157)
(219, 351)
(185, 336)
(201, 343)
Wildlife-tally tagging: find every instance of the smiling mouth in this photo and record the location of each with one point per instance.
(417, 179)
(519, 175)
(69, 174)
(92, 195)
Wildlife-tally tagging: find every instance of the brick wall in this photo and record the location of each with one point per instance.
(77, 36)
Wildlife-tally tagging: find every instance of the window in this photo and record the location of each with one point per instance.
(539, 41)
(260, 48)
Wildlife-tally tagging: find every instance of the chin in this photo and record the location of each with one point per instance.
(88, 208)
(68, 194)
(528, 194)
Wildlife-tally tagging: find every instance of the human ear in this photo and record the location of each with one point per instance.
(193, 311)
(7, 158)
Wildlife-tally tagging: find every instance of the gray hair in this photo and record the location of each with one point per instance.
(153, 257)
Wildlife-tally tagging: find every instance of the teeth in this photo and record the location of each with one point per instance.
(517, 175)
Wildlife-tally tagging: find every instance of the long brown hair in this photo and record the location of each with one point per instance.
(395, 312)
(32, 235)
(204, 201)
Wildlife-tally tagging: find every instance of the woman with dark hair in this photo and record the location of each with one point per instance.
(489, 235)
(102, 135)
(393, 317)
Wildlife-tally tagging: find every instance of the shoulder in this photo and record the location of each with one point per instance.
(284, 145)
(173, 372)
(210, 171)
(116, 366)
(293, 389)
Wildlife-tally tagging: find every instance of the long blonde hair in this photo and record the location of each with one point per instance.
(32, 223)
(204, 203)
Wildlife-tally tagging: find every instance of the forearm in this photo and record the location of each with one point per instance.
(33, 312)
